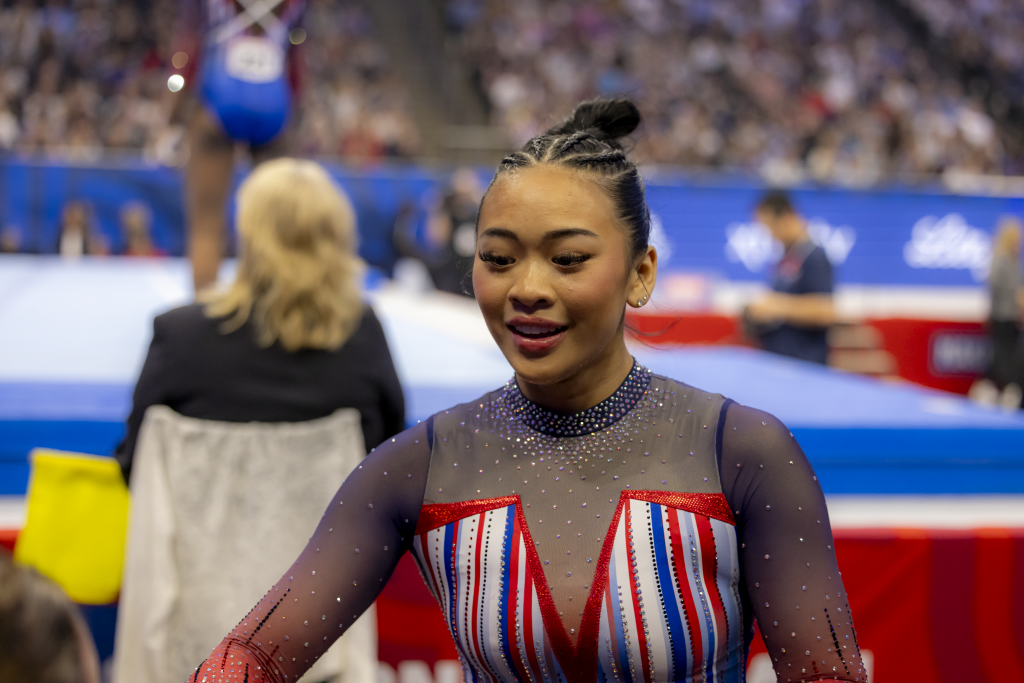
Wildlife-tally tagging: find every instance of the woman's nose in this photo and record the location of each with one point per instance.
(531, 289)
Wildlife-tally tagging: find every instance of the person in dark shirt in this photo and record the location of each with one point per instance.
(794, 318)
(291, 340)
(451, 234)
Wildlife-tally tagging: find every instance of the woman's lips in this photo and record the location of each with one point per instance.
(535, 335)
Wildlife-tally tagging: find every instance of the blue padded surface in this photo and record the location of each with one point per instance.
(863, 436)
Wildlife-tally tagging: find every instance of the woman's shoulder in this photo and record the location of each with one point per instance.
(740, 427)
(184, 321)
(675, 396)
(368, 333)
(752, 435)
(680, 389)
(369, 323)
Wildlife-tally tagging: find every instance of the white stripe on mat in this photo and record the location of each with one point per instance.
(12, 512)
(926, 511)
(845, 512)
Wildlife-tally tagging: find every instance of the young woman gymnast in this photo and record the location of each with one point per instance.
(590, 520)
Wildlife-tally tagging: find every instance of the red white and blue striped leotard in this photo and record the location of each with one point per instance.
(636, 541)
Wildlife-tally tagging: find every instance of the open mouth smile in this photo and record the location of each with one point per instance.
(534, 335)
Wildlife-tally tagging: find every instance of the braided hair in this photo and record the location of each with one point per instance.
(589, 141)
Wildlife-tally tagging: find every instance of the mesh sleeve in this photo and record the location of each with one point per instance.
(366, 529)
(792, 584)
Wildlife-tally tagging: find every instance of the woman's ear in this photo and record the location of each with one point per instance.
(643, 278)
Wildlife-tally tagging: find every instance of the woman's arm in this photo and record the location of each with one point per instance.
(364, 532)
(791, 578)
(807, 310)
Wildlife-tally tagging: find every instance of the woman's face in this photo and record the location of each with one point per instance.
(553, 274)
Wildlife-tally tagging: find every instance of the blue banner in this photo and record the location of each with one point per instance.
(879, 237)
(34, 196)
(886, 237)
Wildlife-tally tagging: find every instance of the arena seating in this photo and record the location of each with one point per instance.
(846, 94)
(840, 93)
(85, 82)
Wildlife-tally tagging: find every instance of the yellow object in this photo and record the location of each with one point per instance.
(76, 524)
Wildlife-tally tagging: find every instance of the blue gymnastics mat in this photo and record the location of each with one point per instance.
(863, 436)
(73, 336)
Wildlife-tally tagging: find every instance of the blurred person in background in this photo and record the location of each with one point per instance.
(10, 240)
(136, 219)
(451, 233)
(794, 318)
(291, 339)
(43, 638)
(77, 238)
(247, 73)
(1007, 296)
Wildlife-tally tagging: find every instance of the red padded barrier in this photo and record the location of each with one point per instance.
(7, 538)
(909, 340)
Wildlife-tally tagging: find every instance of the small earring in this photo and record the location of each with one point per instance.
(642, 300)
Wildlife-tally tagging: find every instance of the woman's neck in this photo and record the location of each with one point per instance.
(587, 387)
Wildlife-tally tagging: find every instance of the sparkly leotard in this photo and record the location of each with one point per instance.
(635, 541)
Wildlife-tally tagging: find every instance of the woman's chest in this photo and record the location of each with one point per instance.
(609, 555)
(657, 601)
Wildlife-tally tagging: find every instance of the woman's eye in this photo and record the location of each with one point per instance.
(496, 259)
(570, 259)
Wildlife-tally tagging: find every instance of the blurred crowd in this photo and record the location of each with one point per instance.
(79, 78)
(75, 79)
(352, 103)
(795, 89)
(986, 36)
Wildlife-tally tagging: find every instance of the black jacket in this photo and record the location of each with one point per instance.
(200, 372)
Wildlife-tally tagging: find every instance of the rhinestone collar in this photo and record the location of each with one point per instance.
(604, 414)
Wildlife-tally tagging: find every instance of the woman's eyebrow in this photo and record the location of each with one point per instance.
(500, 232)
(550, 235)
(568, 232)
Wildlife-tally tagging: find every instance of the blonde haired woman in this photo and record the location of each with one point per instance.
(291, 339)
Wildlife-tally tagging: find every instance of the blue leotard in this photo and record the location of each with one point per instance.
(244, 78)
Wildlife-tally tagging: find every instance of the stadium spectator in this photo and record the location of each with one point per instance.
(291, 339)
(835, 92)
(793, 319)
(10, 240)
(43, 638)
(451, 233)
(136, 219)
(77, 237)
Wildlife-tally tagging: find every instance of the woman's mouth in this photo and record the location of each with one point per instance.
(536, 335)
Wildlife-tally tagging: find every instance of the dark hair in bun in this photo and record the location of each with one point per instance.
(589, 141)
(605, 119)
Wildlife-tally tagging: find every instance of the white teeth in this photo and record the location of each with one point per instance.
(533, 329)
